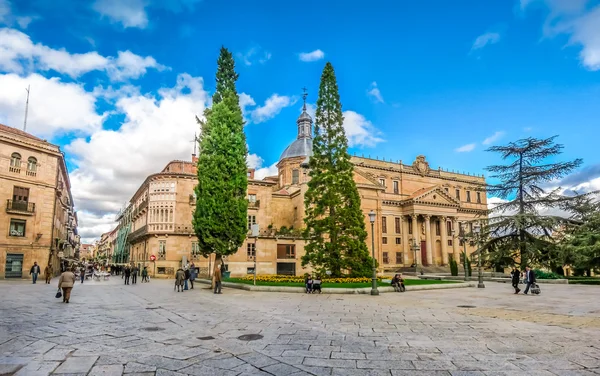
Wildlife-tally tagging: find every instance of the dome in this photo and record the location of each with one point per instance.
(301, 147)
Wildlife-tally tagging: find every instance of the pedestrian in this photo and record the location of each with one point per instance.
(186, 273)
(218, 279)
(34, 271)
(82, 272)
(530, 277)
(516, 277)
(127, 274)
(145, 274)
(179, 277)
(192, 275)
(134, 273)
(66, 282)
(48, 273)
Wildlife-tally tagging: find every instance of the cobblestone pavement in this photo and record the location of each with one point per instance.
(147, 329)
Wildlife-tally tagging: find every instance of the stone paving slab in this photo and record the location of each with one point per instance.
(146, 329)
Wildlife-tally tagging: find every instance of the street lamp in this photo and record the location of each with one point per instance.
(477, 231)
(415, 248)
(374, 290)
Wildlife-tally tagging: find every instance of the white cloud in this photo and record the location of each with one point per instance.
(493, 138)
(111, 164)
(245, 102)
(485, 39)
(374, 93)
(465, 148)
(312, 56)
(254, 55)
(54, 106)
(7, 16)
(254, 161)
(18, 54)
(134, 13)
(577, 20)
(359, 130)
(273, 106)
(91, 226)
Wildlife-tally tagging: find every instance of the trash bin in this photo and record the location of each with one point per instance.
(226, 275)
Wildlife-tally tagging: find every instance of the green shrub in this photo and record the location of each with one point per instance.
(584, 281)
(542, 274)
(453, 266)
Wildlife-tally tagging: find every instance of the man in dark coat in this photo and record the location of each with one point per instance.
(34, 272)
(127, 274)
(530, 278)
(134, 273)
(516, 276)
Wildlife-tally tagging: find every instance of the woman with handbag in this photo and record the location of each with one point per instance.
(66, 282)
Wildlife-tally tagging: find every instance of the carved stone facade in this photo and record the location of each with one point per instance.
(38, 221)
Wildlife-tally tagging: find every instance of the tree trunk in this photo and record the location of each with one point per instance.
(522, 247)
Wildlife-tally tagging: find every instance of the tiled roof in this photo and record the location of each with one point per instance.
(19, 132)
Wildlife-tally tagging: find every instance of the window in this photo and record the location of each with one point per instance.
(286, 251)
(195, 250)
(448, 228)
(458, 194)
(449, 242)
(471, 227)
(385, 258)
(382, 182)
(15, 160)
(295, 176)
(384, 240)
(397, 224)
(17, 227)
(410, 229)
(251, 221)
(251, 250)
(384, 225)
(162, 249)
(252, 198)
(20, 194)
(468, 196)
(399, 258)
(438, 229)
(398, 240)
(395, 184)
(479, 197)
(31, 166)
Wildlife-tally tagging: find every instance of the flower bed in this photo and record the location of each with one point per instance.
(300, 279)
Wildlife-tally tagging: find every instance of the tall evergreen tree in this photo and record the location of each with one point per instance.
(220, 218)
(580, 246)
(517, 226)
(335, 227)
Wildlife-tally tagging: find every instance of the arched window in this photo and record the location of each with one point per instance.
(15, 160)
(171, 216)
(32, 164)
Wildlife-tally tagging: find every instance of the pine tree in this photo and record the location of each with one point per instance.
(580, 247)
(220, 218)
(335, 227)
(516, 226)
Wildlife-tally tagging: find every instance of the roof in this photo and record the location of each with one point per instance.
(301, 147)
(19, 132)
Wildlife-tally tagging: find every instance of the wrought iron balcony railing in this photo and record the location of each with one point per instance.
(20, 207)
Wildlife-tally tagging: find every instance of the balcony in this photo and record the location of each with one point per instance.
(254, 204)
(20, 207)
(137, 234)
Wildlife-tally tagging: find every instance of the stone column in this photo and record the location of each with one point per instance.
(405, 241)
(416, 237)
(444, 229)
(455, 242)
(428, 239)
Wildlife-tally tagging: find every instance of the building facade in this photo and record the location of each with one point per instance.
(420, 213)
(39, 223)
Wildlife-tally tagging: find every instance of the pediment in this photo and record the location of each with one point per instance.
(364, 178)
(434, 196)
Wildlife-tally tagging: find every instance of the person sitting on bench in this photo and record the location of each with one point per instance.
(398, 283)
(308, 283)
(316, 286)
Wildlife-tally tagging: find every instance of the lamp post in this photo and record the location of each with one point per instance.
(477, 231)
(374, 290)
(415, 248)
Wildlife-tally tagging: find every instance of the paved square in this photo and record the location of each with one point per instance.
(148, 329)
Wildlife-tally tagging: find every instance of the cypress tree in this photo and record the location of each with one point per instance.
(335, 225)
(516, 227)
(220, 217)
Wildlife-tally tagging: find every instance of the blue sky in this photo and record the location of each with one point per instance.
(116, 82)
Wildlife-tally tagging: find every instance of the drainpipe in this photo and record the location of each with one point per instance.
(54, 213)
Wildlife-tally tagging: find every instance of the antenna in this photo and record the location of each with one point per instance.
(195, 141)
(26, 109)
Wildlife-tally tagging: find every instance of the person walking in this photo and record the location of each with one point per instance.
(516, 277)
(530, 277)
(34, 272)
(134, 273)
(192, 275)
(179, 277)
(82, 273)
(66, 283)
(218, 279)
(127, 274)
(145, 274)
(48, 273)
(186, 273)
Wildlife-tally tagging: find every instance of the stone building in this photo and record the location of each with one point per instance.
(417, 208)
(39, 221)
